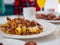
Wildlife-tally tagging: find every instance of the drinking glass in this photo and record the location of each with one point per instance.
(41, 3)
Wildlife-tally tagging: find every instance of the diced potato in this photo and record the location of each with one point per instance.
(40, 27)
(19, 25)
(3, 29)
(18, 30)
(7, 32)
(32, 29)
(12, 23)
(24, 29)
(6, 24)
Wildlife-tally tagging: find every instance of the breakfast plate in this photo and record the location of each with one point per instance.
(56, 20)
(48, 29)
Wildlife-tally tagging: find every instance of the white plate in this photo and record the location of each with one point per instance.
(52, 21)
(48, 29)
(12, 42)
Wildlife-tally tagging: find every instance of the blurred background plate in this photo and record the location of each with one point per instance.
(46, 12)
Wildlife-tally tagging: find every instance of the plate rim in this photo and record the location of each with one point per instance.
(28, 37)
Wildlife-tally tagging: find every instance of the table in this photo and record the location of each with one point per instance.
(52, 39)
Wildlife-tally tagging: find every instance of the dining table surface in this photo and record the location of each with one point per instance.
(52, 39)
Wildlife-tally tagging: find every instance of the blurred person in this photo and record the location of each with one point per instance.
(20, 4)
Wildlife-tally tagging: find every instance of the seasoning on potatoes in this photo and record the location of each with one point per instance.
(21, 26)
(32, 29)
(18, 30)
(24, 29)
